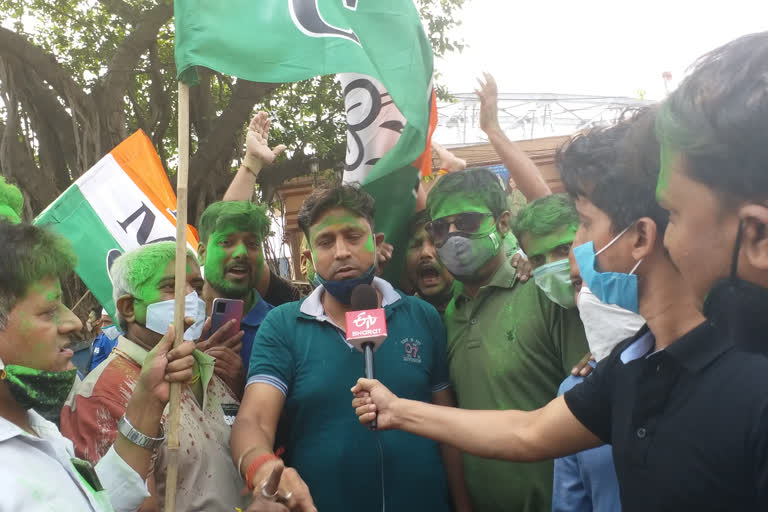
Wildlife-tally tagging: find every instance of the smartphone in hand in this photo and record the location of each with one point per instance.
(225, 310)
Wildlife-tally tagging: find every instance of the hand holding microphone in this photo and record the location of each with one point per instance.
(366, 326)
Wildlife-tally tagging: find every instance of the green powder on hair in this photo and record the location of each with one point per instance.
(11, 202)
(546, 215)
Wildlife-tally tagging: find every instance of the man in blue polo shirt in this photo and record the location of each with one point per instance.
(231, 235)
(301, 370)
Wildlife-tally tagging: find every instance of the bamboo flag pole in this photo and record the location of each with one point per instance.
(180, 281)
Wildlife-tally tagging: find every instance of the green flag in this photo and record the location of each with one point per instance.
(291, 40)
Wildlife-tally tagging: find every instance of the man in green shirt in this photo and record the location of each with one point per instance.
(509, 346)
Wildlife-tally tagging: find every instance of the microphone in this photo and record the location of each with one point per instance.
(366, 326)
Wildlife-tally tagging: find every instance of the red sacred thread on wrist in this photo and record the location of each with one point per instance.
(257, 463)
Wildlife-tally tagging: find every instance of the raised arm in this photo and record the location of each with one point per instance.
(257, 155)
(546, 433)
(521, 168)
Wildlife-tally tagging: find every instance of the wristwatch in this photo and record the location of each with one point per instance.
(136, 437)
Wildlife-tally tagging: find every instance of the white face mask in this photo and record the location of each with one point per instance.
(606, 325)
(160, 316)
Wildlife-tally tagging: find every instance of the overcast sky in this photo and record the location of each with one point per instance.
(600, 47)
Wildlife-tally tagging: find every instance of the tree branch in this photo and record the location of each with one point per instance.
(159, 105)
(128, 53)
(121, 9)
(52, 124)
(220, 142)
(202, 111)
(44, 64)
(272, 177)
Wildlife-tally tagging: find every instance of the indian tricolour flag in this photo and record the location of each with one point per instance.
(288, 40)
(123, 202)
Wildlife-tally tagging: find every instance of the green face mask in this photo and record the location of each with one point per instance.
(43, 391)
(554, 279)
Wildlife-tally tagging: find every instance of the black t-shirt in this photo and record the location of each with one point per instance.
(280, 291)
(688, 424)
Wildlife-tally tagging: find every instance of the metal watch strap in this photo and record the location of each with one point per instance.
(136, 437)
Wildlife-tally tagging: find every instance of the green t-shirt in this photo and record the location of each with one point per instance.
(510, 347)
(346, 466)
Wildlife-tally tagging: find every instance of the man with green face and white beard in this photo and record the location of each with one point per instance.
(508, 344)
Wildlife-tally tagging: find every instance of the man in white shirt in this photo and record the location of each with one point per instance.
(39, 470)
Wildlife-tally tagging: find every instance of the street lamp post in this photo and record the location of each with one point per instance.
(338, 170)
(314, 167)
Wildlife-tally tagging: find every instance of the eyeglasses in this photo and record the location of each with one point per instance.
(468, 222)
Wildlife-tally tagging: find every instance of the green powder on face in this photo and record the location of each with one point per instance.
(240, 250)
(148, 293)
(369, 245)
(452, 204)
(143, 268)
(237, 216)
(216, 258)
(538, 245)
(336, 220)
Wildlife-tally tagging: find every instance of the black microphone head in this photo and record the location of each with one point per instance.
(364, 296)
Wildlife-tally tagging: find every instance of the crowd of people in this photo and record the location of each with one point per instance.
(599, 350)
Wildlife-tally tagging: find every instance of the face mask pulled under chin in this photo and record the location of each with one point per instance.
(605, 325)
(736, 308)
(341, 289)
(160, 316)
(43, 391)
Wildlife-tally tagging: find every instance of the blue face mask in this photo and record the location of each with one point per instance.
(341, 289)
(610, 287)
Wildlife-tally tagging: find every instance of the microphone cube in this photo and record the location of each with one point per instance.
(366, 326)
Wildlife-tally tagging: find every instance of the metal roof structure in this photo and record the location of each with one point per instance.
(529, 115)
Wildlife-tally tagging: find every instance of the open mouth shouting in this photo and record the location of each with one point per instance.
(238, 271)
(429, 275)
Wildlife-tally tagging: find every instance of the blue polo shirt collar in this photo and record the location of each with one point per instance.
(257, 313)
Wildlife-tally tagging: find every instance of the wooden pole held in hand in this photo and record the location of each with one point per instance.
(180, 272)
